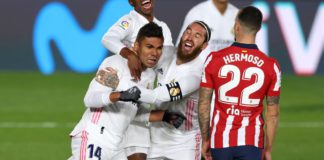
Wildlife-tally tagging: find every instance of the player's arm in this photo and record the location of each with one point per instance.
(272, 120)
(272, 112)
(112, 40)
(205, 96)
(173, 91)
(99, 95)
(173, 118)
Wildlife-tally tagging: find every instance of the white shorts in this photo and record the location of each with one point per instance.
(137, 138)
(185, 154)
(88, 147)
(135, 149)
(189, 150)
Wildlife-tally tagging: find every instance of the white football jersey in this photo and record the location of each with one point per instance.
(221, 25)
(124, 32)
(112, 118)
(177, 91)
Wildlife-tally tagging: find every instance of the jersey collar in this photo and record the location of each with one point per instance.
(248, 46)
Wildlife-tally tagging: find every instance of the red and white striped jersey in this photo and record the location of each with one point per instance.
(241, 77)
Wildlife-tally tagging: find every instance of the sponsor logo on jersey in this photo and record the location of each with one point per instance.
(124, 24)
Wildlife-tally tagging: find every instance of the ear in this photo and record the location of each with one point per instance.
(136, 46)
(237, 27)
(131, 2)
(205, 44)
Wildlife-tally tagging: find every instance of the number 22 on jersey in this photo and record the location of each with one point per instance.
(236, 77)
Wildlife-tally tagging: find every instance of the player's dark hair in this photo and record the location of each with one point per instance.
(150, 30)
(206, 27)
(250, 17)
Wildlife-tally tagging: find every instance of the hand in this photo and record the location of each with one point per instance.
(134, 63)
(205, 150)
(131, 94)
(108, 77)
(173, 118)
(266, 155)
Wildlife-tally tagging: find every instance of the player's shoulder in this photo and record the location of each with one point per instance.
(114, 61)
(231, 7)
(274, 62)
(221, 52)
(126, 19)
(161, 23)
(199, 7)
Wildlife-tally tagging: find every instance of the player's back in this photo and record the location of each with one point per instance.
(242, 76)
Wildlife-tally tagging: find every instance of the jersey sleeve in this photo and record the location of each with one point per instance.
(207, 76)
(97, 95)
(275, 84)
(112, 39)
(173, 91)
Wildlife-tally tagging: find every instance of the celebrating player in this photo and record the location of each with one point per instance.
(121, 36)
(99, 134)
(178, 84)
(241, 76)
(220, 17)
(119, 39)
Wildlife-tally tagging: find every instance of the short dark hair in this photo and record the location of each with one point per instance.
(250, 17)
(150, 30)
(207, 29)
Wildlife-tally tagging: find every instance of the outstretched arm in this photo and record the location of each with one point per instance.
(272, 120)
(166, 93)
(205, 96)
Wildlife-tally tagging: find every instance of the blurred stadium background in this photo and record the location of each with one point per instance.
(49, 50)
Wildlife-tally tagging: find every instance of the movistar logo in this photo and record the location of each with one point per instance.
(80, 49)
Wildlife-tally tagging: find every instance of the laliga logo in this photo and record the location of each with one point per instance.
(81, 50)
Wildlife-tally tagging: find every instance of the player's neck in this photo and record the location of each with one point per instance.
(246, 39)
(149, 17)
(221, 6)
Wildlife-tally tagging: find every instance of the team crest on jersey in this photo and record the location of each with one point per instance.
(160, 70)
(174, 91)
(124, 24)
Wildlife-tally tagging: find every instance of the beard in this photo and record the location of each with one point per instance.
(188, 57)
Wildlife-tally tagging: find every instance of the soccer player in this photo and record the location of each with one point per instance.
(241, 76)
(178, 84)
(99, 134)
(119, 39)
(219, 15)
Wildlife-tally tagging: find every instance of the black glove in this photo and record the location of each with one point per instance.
(173, 118)
(131, 94)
